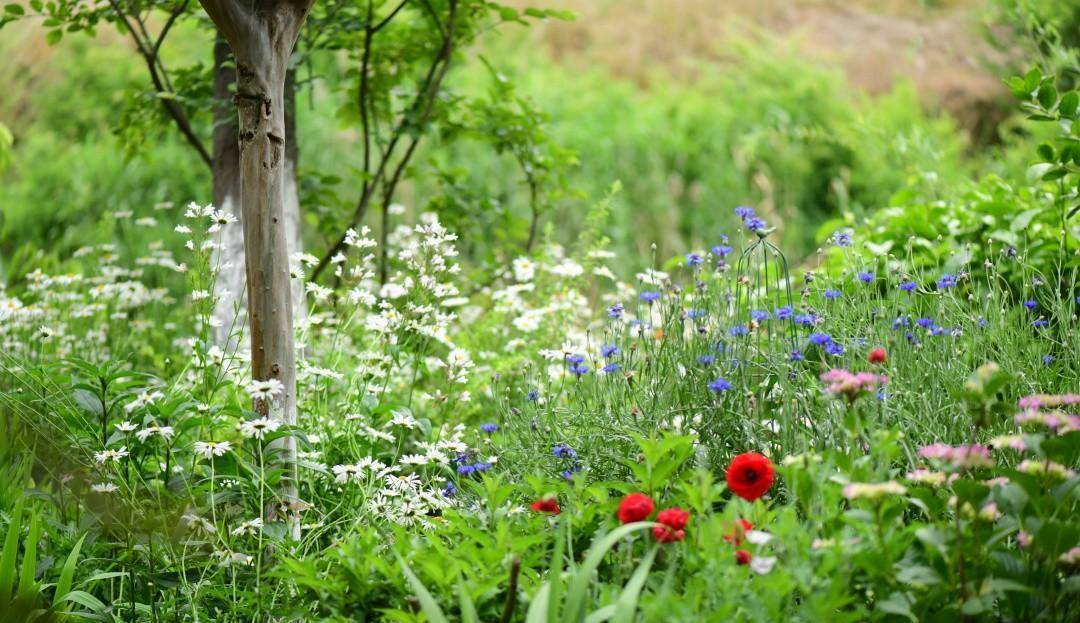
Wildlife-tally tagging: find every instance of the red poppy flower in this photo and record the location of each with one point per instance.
(877, 355)
(635, 507)
(750, 475)
(546, 505)
(665, 534)
(742, 557)
(674, 518)
(735, 537)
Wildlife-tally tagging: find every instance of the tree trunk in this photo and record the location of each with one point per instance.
(262, 35)
(230, 311)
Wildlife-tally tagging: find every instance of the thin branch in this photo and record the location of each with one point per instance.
(425, 98)
(152, 65)
(386, 20)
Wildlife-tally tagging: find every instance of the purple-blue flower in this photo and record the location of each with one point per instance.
(842, 239)
(611, 368)
(759, 315)
(744, 212)
(489, 428)
(579, 369)
(797, 355)
(1031, 305)
(834, 348)
(721, 250)
(820, 339)
(615, 311)
(649, 296)
(707, 360)
(833, 294)
(908, 286)
(720, 384)
(784, 313)
(866, 277)
(754, 224)
(738, 330)
(609, 350)
(693, 259)
(946, 281)
(563, 451)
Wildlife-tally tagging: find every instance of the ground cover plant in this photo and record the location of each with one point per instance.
(548, 425)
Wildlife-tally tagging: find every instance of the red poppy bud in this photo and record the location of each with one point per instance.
(735, 537)
(546, 505)
(674, 518)
(742, 557)
(665, 534)
(635, 507)
(877, 356)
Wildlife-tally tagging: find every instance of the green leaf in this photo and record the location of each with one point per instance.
(626, 605)
(11, 547)
(14, 9)
(898, 604)
(579, 584)
(1048, 96)
(468, 608)
(63, 586)
(918, 576)
(427, 603)
(1069, 104)
(27, 585)
(538, 609)
(53, 36)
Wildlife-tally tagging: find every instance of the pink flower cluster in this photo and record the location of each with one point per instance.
(851, 385)
(958, 457)
(1055, 420)
(1038, 401)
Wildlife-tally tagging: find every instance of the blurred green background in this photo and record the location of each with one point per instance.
(811, 111)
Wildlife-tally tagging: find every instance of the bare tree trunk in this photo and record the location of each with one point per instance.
(230, 310)
(261, 36)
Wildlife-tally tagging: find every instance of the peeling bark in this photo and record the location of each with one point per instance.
(261, 36)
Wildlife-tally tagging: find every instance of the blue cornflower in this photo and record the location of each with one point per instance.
(805, 320)
(784, 313)
(579, 369)
(937, 329)
(866, 276)
(575, 358)
(901, 321)
(721, 250)
(693, 259)
(946, 281)
(609, 351)
(908, 286)
(1041, 322)
(615, 311)
(479, 468)
(754, 224)
(567, 474)
(611, 368)
(833, 294)
(720, 385)
(911, 338)
(759, 315)
(1078, 300)
(925, 322)
(744, 212)
(532, 396)
(738, 330)
(1031, 305)
(563, 451)
(449, 490)
(465, 470)
(820, 339)
(982, 322)
(694, 314)
(649, 296)
(707, 360)
(1048, 359)
(489, 428)
(842, 238)
(796, 355)
(834, 348)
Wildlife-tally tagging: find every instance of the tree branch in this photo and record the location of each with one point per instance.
(175, 111)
